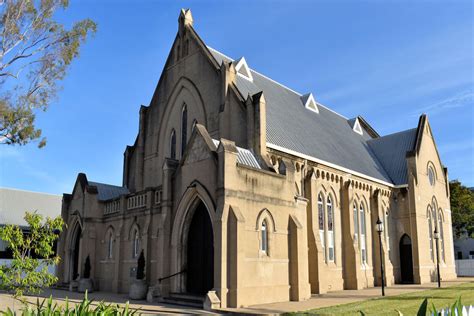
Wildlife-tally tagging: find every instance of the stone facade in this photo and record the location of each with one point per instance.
(211, 195)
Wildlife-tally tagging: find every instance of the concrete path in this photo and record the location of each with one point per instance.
(144, 307)
(316, 301)
(341, 297)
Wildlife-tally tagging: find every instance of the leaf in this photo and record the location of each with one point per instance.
(423, 308)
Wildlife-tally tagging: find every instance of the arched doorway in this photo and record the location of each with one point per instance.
(406, 259)
(75, 247)
(200, 252)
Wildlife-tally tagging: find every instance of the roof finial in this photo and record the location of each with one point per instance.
(185, 17)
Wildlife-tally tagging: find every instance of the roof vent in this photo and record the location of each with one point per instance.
(309, 103)
(357, 128)
(243, 69)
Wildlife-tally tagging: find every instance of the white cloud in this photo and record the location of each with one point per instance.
(460, 100)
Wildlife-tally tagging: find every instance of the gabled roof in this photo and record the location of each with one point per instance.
(108, 191)
(391, 151)
(327, 137)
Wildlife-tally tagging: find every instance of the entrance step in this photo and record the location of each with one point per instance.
(61, 286)
(184, 299)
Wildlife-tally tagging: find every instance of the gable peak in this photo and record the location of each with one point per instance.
(309, 102)
(185, 17)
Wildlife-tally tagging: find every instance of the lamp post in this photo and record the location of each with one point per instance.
(436, 237)
(379, 227)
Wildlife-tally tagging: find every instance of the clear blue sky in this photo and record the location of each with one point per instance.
(388, 61)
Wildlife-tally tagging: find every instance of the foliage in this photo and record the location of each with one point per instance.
(48, 307)
(87, 268)
(35, 53)
(141, 267)
(26, 272)
(462, 208)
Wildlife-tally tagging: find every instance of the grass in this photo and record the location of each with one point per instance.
(408, 303)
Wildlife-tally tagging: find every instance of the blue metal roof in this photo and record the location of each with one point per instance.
(108, 191)
(326, 135)
(391, 152)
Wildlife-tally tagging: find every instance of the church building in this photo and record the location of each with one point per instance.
(241, 191)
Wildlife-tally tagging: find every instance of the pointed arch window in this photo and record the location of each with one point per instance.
(184, 128)
(356, 221)
(441, 235)
(264, 237)
(136, 243)
(321, 224)
(386, 230)
(173, 144)
(330, 214)
(363, 237)
(110, 245)
(430, 233)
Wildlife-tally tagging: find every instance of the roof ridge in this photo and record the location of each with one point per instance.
(278, 83)
(112, 185)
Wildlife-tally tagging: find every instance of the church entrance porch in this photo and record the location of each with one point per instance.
(200, 253)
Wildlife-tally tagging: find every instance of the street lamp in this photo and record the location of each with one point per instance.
(379, 227)
(436, 237)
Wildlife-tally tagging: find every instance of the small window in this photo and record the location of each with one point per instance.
(363, 238)
(136, 243)
(110, 246)
(356, 221)
(430, 233)
(330, 229)
(184, 128)
(320, 212)
(431, 175)
(460, 255)
(264, 237)
(173, 145)
(322, 235)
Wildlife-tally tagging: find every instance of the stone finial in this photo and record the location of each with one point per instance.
(185, 17)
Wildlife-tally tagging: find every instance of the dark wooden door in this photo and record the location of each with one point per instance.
(200, 253)
(406, 259)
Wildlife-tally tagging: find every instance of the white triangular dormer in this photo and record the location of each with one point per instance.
(309, 102)
(243, 70)
(357, 128)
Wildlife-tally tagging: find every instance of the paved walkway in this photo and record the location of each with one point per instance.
(342, 297)
(144, 307)
(316, 301)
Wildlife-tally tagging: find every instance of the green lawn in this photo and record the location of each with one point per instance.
(408, 304)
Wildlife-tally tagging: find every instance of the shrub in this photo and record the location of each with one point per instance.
(48, 307)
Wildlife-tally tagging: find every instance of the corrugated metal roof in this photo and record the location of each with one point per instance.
(108, 191)
(244, 156)
(391, 151)
(326, 135)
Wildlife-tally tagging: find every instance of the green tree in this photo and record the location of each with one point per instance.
(27, 273)
(35, 53)
(462, 208)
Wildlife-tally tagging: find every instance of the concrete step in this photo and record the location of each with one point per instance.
(184, 299)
